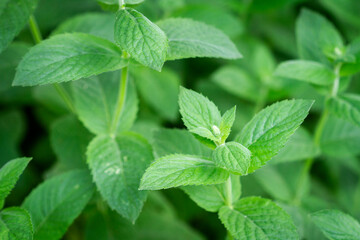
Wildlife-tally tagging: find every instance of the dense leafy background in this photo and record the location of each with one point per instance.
(35, 122)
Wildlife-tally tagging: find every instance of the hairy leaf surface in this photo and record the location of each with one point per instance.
(232, 156)
(181, 170)
(189, 39)
(270, 129)
(68, 57)
(55, 203)
(257, 218)
(227, 121)
(200, 115)
(9, 174)
(117, 166)
(142, 39)
(307, 71)
(17, 224)
(14, 14)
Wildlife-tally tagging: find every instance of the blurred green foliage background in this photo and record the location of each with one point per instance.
(34, 121)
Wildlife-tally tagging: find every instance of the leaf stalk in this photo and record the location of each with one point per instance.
(317, 136)
(36, 33)
(228, 190)
(120, 100)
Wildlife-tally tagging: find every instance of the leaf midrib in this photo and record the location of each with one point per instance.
(247, 218)
(53, 210)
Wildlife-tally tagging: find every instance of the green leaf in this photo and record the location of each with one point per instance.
(316, 36)
(231, 77)
(275, 183)
(176, 141)
(146, 127)
(212, 197)
(4, 231)
(14, 14)
(101, 93)
(303, 223)
(159, 90)
(213, 16)
(346, 107)
(69, 140)
(270, 129)
(264, 63)
(257, 218)
(232, 156)
(9, 59)
(9, 175)
(12, 128)
(68, 57)
(299, 147)
(340, 138)
(227, 121)
(181, 170)
(336, 224)
(142, 39)
(189, 39)
(307, 71)
(55, 203)
(48, 97)
(199, 114)
(117, 166)
(17, 222)
(97, 24)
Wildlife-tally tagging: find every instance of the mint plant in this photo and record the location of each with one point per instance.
(219, 169)
(144, 121)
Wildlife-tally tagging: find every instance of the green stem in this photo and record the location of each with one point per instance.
(336, 83)
(120, 100)
(228, 191)
(317, 137)
(34, 29)
(121, 4)
(65, 96)
(35, 32)
(229, 200)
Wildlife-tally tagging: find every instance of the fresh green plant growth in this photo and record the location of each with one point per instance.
(228, 161)
(179, 119)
